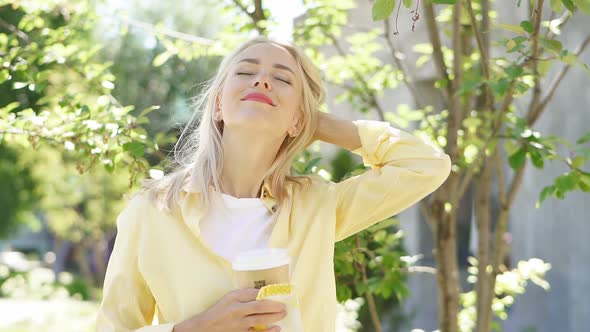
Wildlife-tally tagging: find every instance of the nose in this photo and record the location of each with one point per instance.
(262, 82)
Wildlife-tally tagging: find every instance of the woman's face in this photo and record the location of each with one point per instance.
(262, 92)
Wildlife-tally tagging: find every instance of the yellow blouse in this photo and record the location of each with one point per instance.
(160, 266)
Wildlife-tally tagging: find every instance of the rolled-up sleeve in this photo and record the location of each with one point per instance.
(404, 169)
(127, 303)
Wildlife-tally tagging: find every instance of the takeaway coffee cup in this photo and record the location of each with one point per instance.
(260, 267)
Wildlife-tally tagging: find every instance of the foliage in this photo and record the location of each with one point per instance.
(41, 283)
(18, 187)
(54, 90)
(510, 284)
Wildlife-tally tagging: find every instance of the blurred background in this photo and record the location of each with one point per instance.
(93, 94)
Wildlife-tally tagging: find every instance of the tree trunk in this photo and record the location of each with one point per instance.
(82, 262)
(98, 253)
(482, 210)
(445, 252)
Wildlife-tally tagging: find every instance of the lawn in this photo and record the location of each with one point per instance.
(64, 315)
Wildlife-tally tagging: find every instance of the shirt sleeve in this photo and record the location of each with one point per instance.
(404, 170)
(127, 304)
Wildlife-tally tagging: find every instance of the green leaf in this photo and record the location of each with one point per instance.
(514, 71)
(547, 191)
(569, 4)
(527, 26)
(137, 149)
(500, 87)
(148, 110)
(10, 107)
(583, 5)
(19, 85)
(584, 139)
(512, 27)
(161, 58)
(566, 182)
(556, 6)
(382, 9)
(383, 224)
(536, 158)
(4, 75)
(569, 59)
(578, 161)
(517, 159)
(408, 3)
(380, 236)
(584, 182)
(311, 164)
(551, 44)
(446, 2)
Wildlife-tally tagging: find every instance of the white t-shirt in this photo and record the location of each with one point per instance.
(233, 225)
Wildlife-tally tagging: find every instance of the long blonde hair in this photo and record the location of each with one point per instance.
(198, 154)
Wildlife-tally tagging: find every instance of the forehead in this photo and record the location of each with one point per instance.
(268, 54)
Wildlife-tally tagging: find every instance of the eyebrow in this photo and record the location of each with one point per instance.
(276, 65)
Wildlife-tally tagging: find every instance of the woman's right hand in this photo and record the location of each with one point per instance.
(237, 311)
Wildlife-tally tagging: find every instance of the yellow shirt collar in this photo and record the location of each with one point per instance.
(266, 196)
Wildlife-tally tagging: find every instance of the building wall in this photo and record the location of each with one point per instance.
(557, 232)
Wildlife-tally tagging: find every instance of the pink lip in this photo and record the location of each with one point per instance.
(259, 97)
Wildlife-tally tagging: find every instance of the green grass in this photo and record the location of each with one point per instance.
(65, 315)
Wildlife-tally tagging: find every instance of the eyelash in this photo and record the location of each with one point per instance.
(280, 79)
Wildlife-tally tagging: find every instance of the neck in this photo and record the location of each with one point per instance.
(247, 158)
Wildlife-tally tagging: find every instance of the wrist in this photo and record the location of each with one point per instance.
(320, 126)
(193, 324)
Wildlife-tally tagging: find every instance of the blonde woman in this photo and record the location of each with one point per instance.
(231, 190)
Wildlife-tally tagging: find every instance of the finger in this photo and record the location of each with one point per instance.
(261, 307)
(264, 319)
(245, 295)
(269, 329)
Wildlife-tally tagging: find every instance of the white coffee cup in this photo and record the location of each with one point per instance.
(260, 267)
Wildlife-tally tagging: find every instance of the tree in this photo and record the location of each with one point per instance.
(53, 90)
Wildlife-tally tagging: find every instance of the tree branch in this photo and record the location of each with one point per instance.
(485, 66)
(538, 110)
(167, 32)
(15, 30)
(514, 185)
(243, 8)
(437, 55)
(400, 65)
(496, 125)
(455, 107)
(563, 19)
(419, 269)
(257, 15)
(534, 55)
(30, 134)
(370, 299)
(501, 192)
(370, 94)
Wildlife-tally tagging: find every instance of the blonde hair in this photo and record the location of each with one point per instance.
(198, 154)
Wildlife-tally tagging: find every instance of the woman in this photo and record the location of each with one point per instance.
(231, 190)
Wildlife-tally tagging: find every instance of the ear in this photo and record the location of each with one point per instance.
(297, 124)
(217, 115)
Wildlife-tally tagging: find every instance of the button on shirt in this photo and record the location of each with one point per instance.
(233, 225)
(161, 264)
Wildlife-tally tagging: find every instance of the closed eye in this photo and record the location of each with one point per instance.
(283, 80)
(278, 78)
